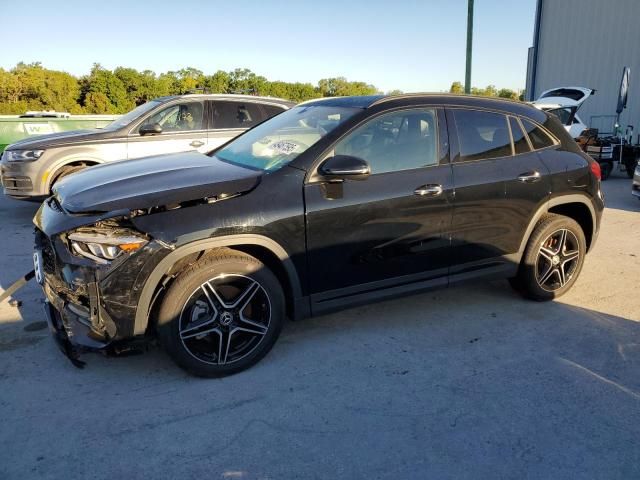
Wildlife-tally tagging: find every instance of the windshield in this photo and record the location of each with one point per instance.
(276, 142)
(127, 118)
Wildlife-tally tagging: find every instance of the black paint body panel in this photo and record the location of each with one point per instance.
(349, 242)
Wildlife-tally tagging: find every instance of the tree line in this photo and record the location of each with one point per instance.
(34, 87)
(490, 91)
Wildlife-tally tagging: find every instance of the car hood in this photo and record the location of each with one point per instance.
(50, 140)
(152, 182)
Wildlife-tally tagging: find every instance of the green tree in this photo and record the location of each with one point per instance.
(456, 87)
(218, 82)
(340, 86)
(508, 93)
(104, 82)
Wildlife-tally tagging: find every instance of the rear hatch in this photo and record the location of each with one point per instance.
(563, 102)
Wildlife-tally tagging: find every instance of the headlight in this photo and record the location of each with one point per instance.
(104, 247)
(23, 155)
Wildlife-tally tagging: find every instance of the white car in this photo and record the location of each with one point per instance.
(564, 102)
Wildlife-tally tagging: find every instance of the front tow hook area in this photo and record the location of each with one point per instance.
(61, 338)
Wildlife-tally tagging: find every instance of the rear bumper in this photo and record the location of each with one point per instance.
(635, 189)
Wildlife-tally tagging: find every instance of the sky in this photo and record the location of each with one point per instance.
(413, 46)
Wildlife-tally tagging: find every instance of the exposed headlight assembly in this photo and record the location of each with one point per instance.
(23, 155)
(104, 247)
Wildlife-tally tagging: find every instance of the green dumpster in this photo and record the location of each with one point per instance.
(14, 128)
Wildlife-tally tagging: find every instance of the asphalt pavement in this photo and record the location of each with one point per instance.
(467, 382)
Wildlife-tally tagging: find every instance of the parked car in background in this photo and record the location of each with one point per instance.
(635, 189)
(564, 102)
(29, 168)
(333, 203)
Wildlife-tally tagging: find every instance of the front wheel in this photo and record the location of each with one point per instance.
(222, 315)
(552, 260)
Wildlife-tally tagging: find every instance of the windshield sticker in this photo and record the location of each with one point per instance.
(283, 146)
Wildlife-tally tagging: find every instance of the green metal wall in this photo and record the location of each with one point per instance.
(13, 128)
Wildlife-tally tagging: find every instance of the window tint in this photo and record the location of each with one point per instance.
(482, 135)
(178, 117)
(539, 138)
(395, 141)
(271, 111)
(564, 92)
(237, 114)
(519, 140)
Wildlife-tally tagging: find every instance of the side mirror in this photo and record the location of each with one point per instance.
(342, 167)
(150, 129)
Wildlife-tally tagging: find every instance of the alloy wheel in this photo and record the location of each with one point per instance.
(225, 319)
(557, 261)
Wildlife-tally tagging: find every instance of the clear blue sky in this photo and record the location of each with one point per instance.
(409, 45)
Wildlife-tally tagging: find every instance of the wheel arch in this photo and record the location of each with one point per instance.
(577, 207)
(71, 162)
(268, 251)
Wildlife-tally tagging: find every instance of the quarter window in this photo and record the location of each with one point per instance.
(179, 117)
(539, 138)
(396, 141)
(520, 143)
(482, 135)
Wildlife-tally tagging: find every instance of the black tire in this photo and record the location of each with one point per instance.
(605, 170)
(192, 320)
(65, 172)
(551, 265)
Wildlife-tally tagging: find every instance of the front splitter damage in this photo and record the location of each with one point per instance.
(61, 337)
(73, 352)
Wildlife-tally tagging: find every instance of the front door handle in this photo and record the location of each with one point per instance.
(196, 143)
(428, 190)
(530, 177)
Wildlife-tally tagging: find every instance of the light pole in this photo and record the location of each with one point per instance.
(467, 76)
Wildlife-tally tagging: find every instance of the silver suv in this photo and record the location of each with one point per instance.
(30, 167)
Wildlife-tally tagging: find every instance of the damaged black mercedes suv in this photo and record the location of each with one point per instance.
(333, 203)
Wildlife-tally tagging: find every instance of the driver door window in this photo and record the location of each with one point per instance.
(182, 130)
(180, 117)
(397, 141)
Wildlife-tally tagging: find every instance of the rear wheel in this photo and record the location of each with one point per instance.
(552, 260)
(605, 170)
(222, 315)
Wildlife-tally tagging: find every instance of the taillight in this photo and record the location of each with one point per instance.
(595, 169)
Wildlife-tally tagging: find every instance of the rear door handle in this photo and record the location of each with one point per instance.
(428, 190)
(196, 143)
(530, 177)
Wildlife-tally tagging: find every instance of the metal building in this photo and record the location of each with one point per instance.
(587, 43)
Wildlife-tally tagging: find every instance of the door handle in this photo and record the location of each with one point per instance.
(196, 143)
(428, 190)
(530, 177)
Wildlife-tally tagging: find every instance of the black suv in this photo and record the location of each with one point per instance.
(333, 203)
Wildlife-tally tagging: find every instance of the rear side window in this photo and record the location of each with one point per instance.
(482, 135)
(520, 143)
(271, 111)
(237, 114)
(539, 138)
